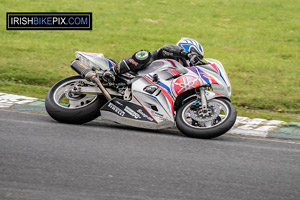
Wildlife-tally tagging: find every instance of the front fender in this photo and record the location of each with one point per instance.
(191, 94)
(212, 95)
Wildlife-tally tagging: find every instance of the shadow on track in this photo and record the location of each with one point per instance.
(113, 125)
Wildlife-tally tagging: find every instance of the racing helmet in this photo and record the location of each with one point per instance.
(191, 45)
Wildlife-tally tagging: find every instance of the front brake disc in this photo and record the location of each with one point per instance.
(210, 114)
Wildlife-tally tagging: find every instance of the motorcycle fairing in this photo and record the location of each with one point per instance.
(159, 103)
(166, 94)
(156, 96)
(219, 69)
(211, 76)
(94, 60)
(128, 113)
(134, 114)
(162, 65)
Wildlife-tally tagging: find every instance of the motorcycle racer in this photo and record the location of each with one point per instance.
(187, 51)
(194, 96)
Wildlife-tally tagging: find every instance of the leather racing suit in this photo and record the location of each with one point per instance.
(143, 58)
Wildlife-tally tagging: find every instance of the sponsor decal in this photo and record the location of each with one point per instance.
(128, 110)
(133, 62)
(132, 113)
(144, 109)
(118, 103)
(156, 114)
(116, 109)
(81, 65)
(48, 21)
(144, 115)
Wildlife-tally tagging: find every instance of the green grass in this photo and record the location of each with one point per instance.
(258, 42)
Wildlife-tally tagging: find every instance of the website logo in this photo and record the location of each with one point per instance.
(48, 21)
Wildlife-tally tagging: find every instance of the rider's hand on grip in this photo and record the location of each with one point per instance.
(194, 59)
(184, 54)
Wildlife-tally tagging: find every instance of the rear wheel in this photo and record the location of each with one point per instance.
(66, 105)
(212, 122)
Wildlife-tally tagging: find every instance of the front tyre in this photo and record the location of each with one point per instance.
(65, 105)
(215, 121)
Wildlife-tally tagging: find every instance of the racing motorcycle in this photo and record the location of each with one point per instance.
(195, 99)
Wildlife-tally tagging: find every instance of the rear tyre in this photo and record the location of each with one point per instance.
(222, 121)
(65, 106)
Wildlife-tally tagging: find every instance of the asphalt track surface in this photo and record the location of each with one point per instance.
(42, 159)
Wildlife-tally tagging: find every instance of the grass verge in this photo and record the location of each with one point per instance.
(256, 40)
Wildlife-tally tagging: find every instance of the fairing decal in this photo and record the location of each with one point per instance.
(144, 108)
(206, 77)
(219, 72)
(164, 86)
(110, 63)
(161, 84)
(166, 95)
(185, 83)
(170, 61)
(157, 101)
(173, 72)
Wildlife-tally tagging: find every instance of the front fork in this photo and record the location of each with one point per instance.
(201, 97)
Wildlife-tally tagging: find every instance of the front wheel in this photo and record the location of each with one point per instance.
(212, 122)
(65, 105)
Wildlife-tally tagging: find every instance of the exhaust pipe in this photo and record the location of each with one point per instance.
(89, 75)
(82, 70)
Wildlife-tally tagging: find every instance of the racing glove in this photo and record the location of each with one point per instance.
(194, 59)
